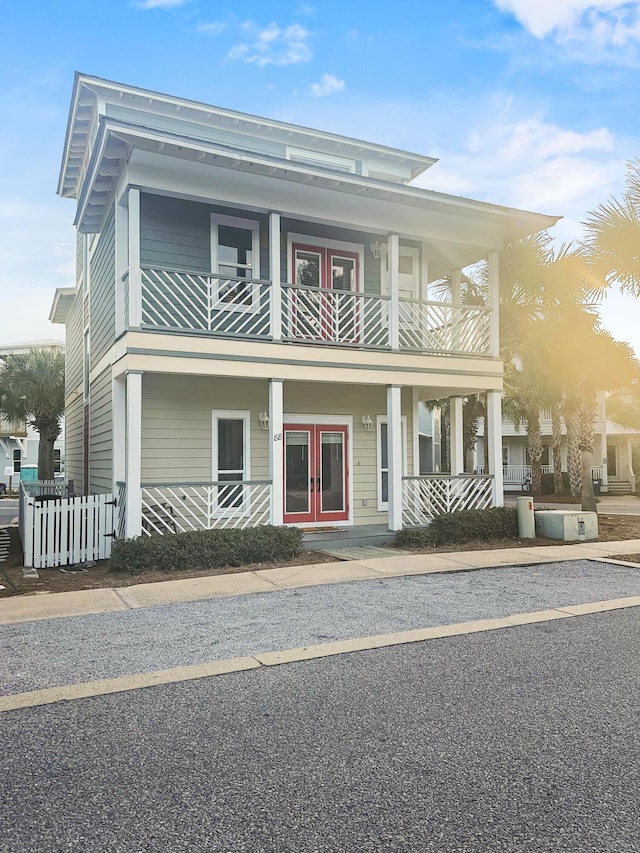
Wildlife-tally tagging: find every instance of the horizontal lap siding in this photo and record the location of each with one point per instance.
(101, 435)
(102, 291)
(177, 434)
(73, 347)
(74, 443)
(177, 426)
(176, 234)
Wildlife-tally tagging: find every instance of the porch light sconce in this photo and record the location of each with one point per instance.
(263, 417)
(367, 423)
(375, 249)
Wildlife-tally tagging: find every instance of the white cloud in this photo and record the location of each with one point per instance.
(327, 86)
(161, 4)
(274, 45)
(601, 21)
(213, 28)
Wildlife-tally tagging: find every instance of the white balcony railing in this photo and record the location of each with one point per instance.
(442, 327)
(175, 300)
(517, 475)
(180, 507)
(434, 494)
(182, 300)
(335, 316)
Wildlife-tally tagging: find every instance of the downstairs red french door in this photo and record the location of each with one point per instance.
(316, 476)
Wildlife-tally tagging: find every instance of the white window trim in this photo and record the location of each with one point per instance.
(252, 225)
(231, 414)
(383, 506)
(320, 158)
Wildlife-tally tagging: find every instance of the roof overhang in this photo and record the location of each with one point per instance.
(62, 302)
(88, 91)
(116, 140)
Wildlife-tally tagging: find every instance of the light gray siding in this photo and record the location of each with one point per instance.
(102, 291)
(101, 435)
(73, 346)
(177, 428)
(74, 453)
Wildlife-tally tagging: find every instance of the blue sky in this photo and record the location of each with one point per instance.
(531, 103)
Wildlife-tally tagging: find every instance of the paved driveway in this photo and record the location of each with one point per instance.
(521, 740)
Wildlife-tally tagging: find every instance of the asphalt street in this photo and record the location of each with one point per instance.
(517, 740)
(55, 652)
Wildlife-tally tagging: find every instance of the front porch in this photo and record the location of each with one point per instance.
(199, 453)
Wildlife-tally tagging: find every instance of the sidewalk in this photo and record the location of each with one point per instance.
(56, 605)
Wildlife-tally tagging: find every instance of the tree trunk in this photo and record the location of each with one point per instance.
(574, 461)
(556, 429)
(48, 432)
(535, 451)
(586, 428)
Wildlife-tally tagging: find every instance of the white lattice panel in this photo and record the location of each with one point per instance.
(425, 497)
(333, 316)
(441, 327)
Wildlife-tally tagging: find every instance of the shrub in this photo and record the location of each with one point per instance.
(463, 526)
(205, 549)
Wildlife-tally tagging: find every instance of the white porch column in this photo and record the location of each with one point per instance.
(394, 306)
(456, 281)
(602, 462)
(133, 525)
(274, 275)
(493, 435)
(121, 264)
(135, 275)
(119, 407)
(415, 418)
(493, 261)
(394, 455)
(276, 449)
(456, 439)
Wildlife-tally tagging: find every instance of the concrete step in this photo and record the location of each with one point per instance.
(348, 537)
(619, 488)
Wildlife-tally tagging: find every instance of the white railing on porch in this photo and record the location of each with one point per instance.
(443, 327)
(57, 530)
(334, 316)
(121, 510)
(516, 475)
(180, 507)
(220, 305)
(434, 494)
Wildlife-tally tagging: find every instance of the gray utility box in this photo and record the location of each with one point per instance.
(570, 526)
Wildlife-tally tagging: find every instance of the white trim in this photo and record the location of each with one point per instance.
(320, 158)
(324, 243)
(231, 414)
(252, 225)
(383, 506)
(408, 251)
(338, 420)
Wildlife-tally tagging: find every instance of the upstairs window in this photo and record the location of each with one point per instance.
(17, 460)
(235, 259)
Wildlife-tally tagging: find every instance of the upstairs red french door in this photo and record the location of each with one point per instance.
(328, 310)
(315, 473)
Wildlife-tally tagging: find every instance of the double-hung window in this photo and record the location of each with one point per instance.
(17, 460)
(235, 262)
(231, 462)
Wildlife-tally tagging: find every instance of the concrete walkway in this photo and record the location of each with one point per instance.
(607, 504)
(32, 608)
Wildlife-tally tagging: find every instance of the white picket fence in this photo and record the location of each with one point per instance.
(58, 531)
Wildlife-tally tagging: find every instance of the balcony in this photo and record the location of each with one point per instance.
(186, 301)
(9, 428)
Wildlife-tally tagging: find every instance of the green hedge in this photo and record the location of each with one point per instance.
(205, 549)
(463, 526)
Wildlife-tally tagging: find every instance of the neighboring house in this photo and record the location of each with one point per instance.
(250, 332)
(19, 441)
(612, 457)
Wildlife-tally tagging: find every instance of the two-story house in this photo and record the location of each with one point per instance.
(251, 329)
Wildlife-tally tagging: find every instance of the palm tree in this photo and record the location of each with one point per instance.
(32, 390)
(613, 235)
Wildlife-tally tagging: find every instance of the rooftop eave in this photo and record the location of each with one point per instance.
(61, 305)
(86, 90)
(115, 140)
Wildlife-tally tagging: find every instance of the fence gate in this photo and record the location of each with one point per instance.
(59, 531)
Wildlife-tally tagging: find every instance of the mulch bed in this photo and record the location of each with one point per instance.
(100, 576)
